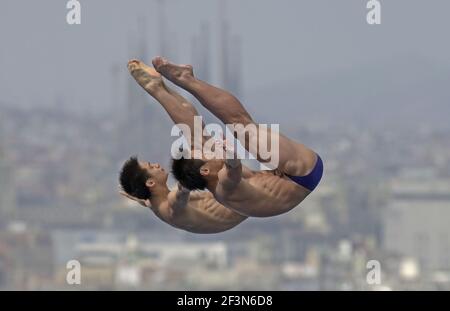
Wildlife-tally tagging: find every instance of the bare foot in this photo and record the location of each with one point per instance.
(178, 74)
(145, 76)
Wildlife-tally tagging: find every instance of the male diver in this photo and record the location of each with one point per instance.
(145, 182)
(247, 192)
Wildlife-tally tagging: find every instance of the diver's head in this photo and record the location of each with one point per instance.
(196, 174)
(142, 179)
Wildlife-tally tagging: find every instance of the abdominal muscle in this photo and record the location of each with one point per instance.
(205, 215)
(263, 195)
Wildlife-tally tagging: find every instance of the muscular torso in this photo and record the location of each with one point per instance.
(261, 194)
(202, 214)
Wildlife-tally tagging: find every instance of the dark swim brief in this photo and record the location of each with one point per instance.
(311, 180)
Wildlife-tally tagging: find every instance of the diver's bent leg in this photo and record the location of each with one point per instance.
(294, 158)
(221, 103)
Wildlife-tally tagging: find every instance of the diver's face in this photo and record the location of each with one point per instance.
(156, 172)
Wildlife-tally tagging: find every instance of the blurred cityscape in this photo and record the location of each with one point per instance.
(385, 196)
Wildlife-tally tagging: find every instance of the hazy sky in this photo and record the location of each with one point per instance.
(43, 59)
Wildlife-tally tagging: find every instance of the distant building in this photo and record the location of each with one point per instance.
(142, 119)
(230, 55)
(116, 260)
(7, 196)
(201, 53)
(416, 221)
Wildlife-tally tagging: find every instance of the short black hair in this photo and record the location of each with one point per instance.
(133, 178)
(187, 172)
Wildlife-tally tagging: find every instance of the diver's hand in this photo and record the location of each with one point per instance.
(144, 203)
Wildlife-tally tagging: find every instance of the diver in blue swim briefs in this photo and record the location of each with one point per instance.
(250, 193)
